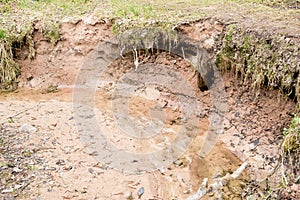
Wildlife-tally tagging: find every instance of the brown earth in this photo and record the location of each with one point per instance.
(59, 64)
(57, 165)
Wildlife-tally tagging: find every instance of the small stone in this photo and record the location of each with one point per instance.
(162, 170)
(178, 163)
(186, 191)
(27, 128)
(16, 169)
(140, 192)
(255, 142)
(7, 190)
(10, 198)
(18, 186)
(91, 170)
(60, 162)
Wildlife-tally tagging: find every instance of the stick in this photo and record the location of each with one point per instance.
(204, 189)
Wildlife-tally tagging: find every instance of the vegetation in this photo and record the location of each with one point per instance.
(258, 57)
(18, 18)
(281, 3)
(263, 59)
(291, 142)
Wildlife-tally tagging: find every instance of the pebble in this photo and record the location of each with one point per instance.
(27, 128)
(16, 169)
(7, 190)
(162, 170)
(91, 170)
(18, 186)
(140, 192)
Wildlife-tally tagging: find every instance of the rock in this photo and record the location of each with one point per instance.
(91, 170)
(27, 128)
(90, 20)
(209, 43)
(10, 198)
(7, 190)
(140, 192)
(18, 186)
(16, 169)
(162, 170)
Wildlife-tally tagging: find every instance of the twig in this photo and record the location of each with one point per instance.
(24, 111)
(19, 113)
(136, 58)
(282, 172)
(204, 189)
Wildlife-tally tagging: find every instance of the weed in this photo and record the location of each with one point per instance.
(27, 153)
(11, 120)
(264, 60)
(31, 167)
(2, 34)
(9, 70)
(2, 141)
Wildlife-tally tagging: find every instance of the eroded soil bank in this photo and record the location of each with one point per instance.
(52, 162)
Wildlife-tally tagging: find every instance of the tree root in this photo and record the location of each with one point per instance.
(204, 189)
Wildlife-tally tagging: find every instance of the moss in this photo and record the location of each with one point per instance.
(291, 134)
(27, 153)
(291, 142)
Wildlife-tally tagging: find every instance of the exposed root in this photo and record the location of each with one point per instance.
(204, 189)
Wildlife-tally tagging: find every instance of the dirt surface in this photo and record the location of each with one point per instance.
(59, 65)
(64, 168)
(52, 162)
(59, 166)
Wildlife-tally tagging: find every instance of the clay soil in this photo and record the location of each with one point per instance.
(54, 163)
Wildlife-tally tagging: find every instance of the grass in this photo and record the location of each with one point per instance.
(17, 25)
(290, 159)
(19, 16)
(264, 59)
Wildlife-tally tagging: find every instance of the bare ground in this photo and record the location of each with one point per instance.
(53, 163)
(57, 165)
